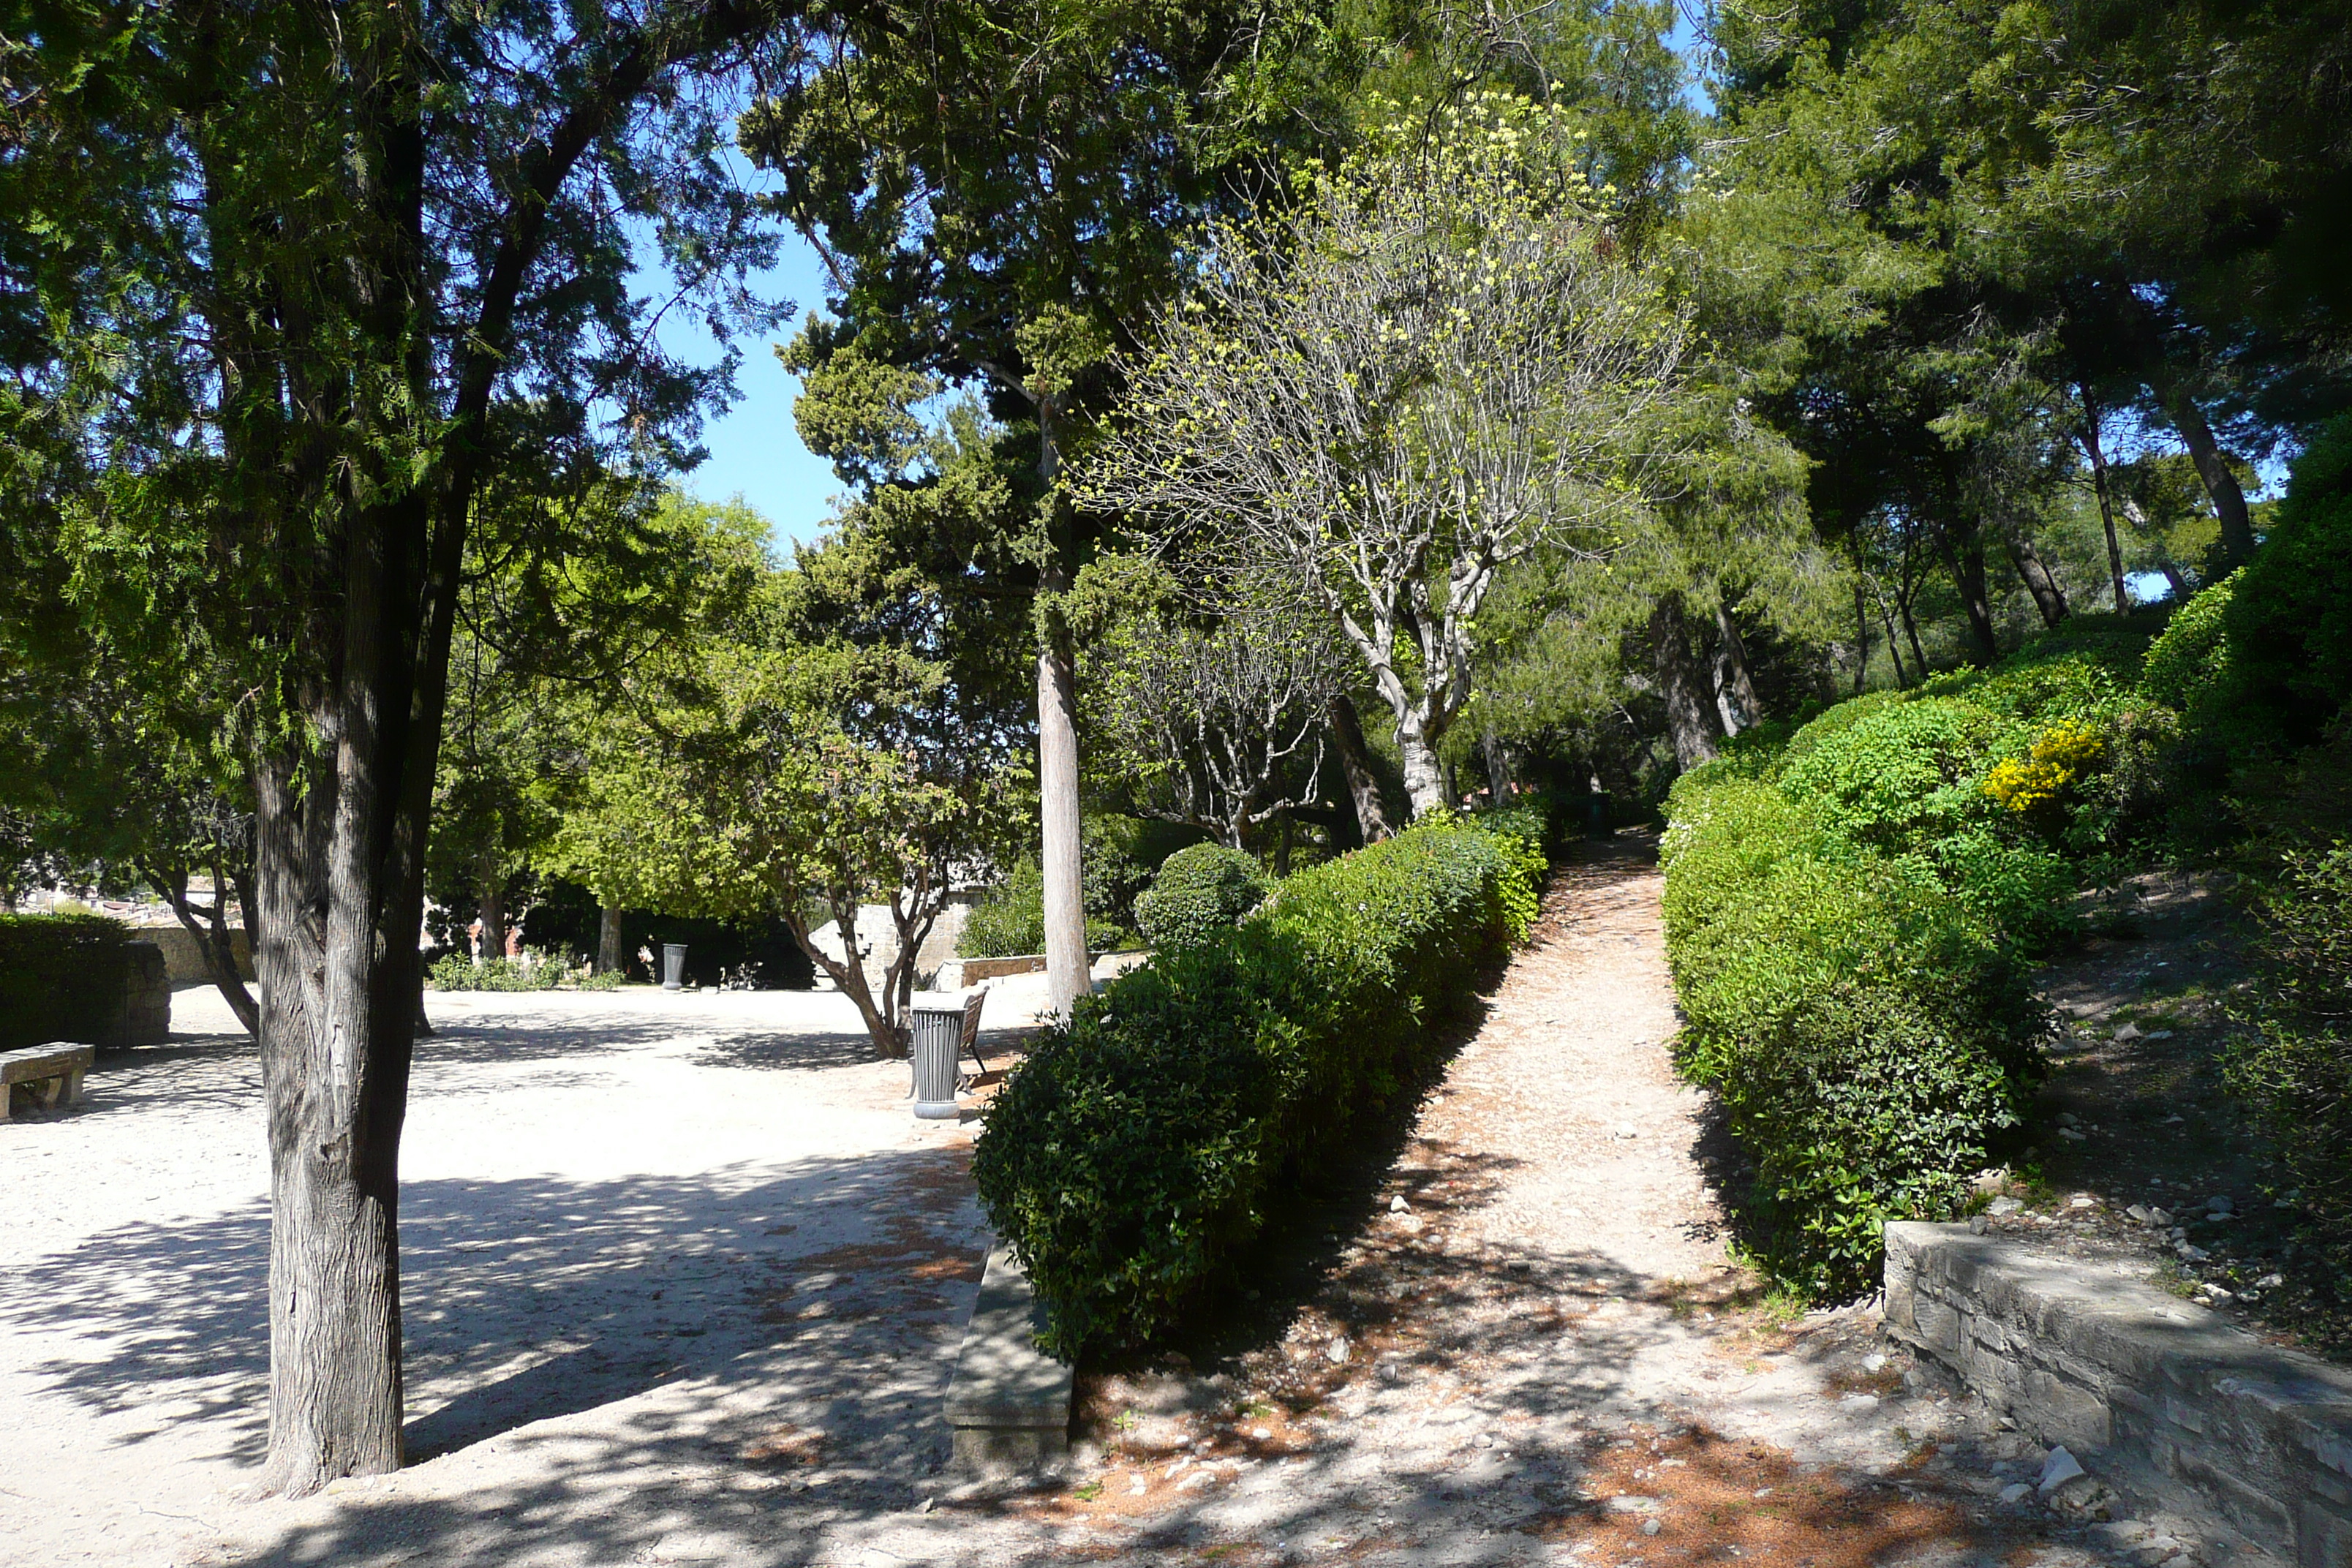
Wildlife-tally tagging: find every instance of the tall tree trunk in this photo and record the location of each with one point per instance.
(2173, 393)
(2174, 579)
(1425, 775)
(2220, 480)
(1498, 767)
(2093, 450)
(1966, 558)
(1738, 684)
(1067, 966)
(2049, 598)
(1691, 720)
(609, 956)
(1911, 628)
(216, 940)
(492, 910)
(1860, 630)
(1894, 649)
(1356, 763)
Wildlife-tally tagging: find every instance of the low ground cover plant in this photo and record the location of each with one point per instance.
(1141, 1148)
(536, 971)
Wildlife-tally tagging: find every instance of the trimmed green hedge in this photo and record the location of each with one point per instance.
(1009, 920)
(1868, 1034)
(1137, 1149)
(1200, 890)
(1849, 918)
(61, 977)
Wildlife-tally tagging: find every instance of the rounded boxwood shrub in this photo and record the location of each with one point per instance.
(1205, 889)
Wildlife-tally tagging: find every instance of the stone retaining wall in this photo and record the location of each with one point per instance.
(145, 1017)
(2163, 1401)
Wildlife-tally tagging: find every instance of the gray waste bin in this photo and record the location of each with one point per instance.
(935, 1041)
(673, 967)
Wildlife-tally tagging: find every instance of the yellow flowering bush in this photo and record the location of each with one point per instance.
(2067, 751)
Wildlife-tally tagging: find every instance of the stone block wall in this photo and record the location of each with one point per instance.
(144, 1017)
(2163, 1401)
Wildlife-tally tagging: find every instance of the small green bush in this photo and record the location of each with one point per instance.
(2192, 656)
(1008, 920)
(1205, 889)
(61, 978)
(1140, 1147)
(457, 971)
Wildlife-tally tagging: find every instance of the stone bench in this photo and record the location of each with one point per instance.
(54, 1072)
(1008, 1404)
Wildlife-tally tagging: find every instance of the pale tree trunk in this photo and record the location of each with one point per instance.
(609, 957)
(1356, 763)
(1691, 721)
(1738, 685)
(1067, 965)
(1425, 775)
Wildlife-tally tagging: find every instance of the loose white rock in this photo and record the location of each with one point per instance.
(1336, 1353)
(1398, 1205)
(1873, 1362)
(2059, 1468)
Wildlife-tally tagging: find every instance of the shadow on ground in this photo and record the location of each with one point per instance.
(827, 1300)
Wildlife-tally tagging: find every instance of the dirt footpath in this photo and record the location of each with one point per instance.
(1526, 1343)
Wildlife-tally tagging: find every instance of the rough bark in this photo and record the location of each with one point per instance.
(2049, 597)
(609, 956)
(1911, 626)
(1861, 633)
(1691, 721)
(1738, 684)
(2093, 450)
(1966, 559)
(1356, 763)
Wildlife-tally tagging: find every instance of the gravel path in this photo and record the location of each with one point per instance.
(684, 1281)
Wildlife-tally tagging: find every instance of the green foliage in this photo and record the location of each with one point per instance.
(2293, 1065)
(1008, 920)
(2192, 656)
(1903, 777)
(1200, 890)
(1139, 1148)
(543, 972)
(1526, 831)
(60, 977)
(1869, 1035)
(2289, 622)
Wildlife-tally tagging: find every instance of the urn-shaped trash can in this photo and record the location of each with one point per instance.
(673, 967)
(936, 1044)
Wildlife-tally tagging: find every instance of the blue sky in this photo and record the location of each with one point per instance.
(754, 451)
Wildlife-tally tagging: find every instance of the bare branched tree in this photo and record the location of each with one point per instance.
(1436, 364)
(1223, 728)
